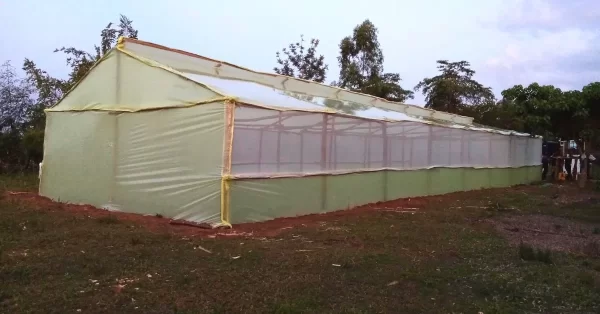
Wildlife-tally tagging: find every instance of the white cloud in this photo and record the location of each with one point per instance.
(549, 42)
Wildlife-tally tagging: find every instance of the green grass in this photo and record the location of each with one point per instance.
(444, 260)
(27, 182)
(529, 253)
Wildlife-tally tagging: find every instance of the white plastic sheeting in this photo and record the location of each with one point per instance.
(191, 63)
(257, 94)
(164, 162)
(268, 142)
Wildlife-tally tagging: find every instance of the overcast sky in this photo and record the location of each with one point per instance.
(508, 42)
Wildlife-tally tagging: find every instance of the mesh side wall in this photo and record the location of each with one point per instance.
(268, 142)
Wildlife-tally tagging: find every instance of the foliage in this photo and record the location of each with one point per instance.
(344, 106)
(22, 101)
(301, 62)
(548, 111)
(15, 98)
(454, 89)
(591, 125)
(16, 105)
(361, 66)
(545, 110)
(499, 115)
(81, 61)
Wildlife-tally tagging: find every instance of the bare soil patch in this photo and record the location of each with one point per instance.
(550, 232)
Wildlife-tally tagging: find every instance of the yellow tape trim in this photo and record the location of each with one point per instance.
(225, 198)
(229, 158)
(137, 109)
(226, 173)
(359, 171)
(121, 42)
(338, 89)
(120, 47)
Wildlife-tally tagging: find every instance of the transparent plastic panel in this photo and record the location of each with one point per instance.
(354, 143)
(520, 151)
(269, 142)
(500, 152)
(479, 149)
(258, 94)
(456, 151)
(440, 146)
(253, 92)
(536, 151)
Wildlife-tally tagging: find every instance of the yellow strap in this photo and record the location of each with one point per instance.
(225, 216)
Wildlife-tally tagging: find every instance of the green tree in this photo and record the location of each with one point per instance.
(15, 98)
(547, 110)
(301, 62)
(454, 88)
(361, 66)
(50, 89)
(499, 114)
(16, 102)
(591, 99)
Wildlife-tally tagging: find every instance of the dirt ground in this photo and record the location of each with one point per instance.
(269, 228)
(553, 233)
(454, 253)
(545, 231)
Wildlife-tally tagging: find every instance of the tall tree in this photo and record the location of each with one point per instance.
(361, 66)
(454, 88)
(299, 61)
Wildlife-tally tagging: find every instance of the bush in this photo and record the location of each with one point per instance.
(21, 150)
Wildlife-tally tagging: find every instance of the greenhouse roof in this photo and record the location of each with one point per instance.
(144, 85)
(189, 63)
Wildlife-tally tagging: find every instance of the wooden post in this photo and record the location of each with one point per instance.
(429, 171)
(324, 163)
(301, 151)
(260, 148)
(279, 142)
(386, 159)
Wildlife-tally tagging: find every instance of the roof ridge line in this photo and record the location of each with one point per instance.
(374, 101)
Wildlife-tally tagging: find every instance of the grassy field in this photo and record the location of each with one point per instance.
(459, 253)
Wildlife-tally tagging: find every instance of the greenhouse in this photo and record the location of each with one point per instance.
(154, 130)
